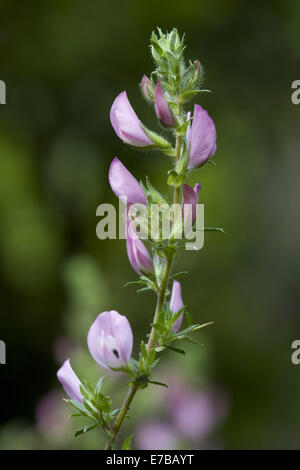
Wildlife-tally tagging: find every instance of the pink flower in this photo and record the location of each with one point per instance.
(176, 304)
(126, 123)
(124, 184)
(138, 254)
(155, 435)
(110, 340)
(189, 202)
(162, 108)
(202, 138)
(70, 381)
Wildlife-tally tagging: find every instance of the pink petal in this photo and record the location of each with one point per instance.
(162, 108)
(126, 123)
(123, 183)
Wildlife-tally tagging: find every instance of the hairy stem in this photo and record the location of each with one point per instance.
(122, 413)
(152, 337)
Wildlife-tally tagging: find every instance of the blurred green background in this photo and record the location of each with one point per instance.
(64, 62)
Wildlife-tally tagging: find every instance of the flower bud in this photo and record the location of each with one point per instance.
(147, 89)
(202, 138)
(70, 381)
(162, 108)
(126, 123)
(138, 254)
(176, 304)
(189, 202)
(110, 340)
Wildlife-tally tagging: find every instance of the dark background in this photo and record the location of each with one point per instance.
(64, 62)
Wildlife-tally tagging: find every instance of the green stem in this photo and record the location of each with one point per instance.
(122, 413)
(160, 302)
(152, 337)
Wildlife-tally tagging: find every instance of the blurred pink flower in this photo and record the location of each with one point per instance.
(155, 435)
(195, 414)
(51, 416)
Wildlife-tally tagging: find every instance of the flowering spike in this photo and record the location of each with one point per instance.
(110, 340)
(70, 381)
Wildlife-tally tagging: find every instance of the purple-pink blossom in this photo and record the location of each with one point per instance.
(155, 435)
(110, 340)
(126, 123)
(124, 184)
(176, 304)
(138, 254)
(201, 137)
(162, 108)
(70, 381)
(189, 202)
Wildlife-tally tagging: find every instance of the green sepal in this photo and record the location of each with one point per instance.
(127, 444)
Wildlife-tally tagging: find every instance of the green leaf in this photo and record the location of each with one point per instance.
(99, 385)
(127, 444)
(213, 229)
(177, 350)
(159, 327)
(175, 316)
(182, 333)
(155, 362)
(152, 355)
(77, 405)
(174, 276)
(158, 383)
(189, 318)
(85, 429)
(144, 351)
(155, 195)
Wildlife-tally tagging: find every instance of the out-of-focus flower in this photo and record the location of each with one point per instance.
(69, 381)
(110, 340)
(147, 89)
(126, 123)
(51, 417)
(138, 254)
(194, 413)
(155, 435)
(202, 138)
(162, 108)
(124, 184)
(189, 202)
(176, 304)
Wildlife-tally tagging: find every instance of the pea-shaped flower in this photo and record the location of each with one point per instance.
(176, 304)
(69, 381)
(110, 340)
(162, 108)
(124, 184)
(126, 123)
(189, 203)
(202, 138)
(138, 254)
